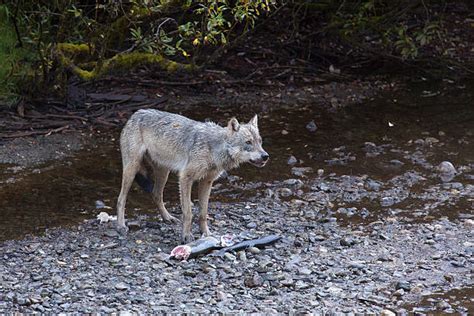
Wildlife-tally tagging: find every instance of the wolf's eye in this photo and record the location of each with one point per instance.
(249, 142)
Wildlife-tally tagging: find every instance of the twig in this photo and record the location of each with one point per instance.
(15, 24)
(71, 117)
(33, 133)
(57, 130)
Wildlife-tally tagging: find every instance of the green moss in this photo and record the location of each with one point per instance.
(74, 49)
(122, 62)
(77, 52)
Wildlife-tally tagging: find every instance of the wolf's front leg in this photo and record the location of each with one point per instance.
(128, 175)
(185, 185)
(203, 194)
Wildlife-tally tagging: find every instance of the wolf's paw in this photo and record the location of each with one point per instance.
(171, 220)
(206, 232)
(122, 230)
(187, 238)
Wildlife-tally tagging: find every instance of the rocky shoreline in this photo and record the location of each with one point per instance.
(321, 265)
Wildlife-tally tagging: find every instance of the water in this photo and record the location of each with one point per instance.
(64, 193)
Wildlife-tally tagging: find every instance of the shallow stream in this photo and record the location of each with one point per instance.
(413, 131)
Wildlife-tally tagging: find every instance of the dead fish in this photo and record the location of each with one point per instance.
(258, 242)
(208, 244)
(195, 248)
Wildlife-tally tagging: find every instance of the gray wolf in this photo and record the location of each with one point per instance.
(153, 143)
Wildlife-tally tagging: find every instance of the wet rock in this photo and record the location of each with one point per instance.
(404, 285)
(292, 160)
(469, 222)
(22, 301)
(229, 256)
(458, 263)
(304, 271)
(253, 281)
(298, 243)
(111, 233)
(384, 237)
(121, 286)
(221, 296)
(357, 265)
(254, 250)
(347, 242)
(373, 185)
(311, 126)
(133, 225)
(242, 256)
(446, 167)
(437, 256)
(251, 225)
(387, 201)
(99, 204)
(287, 282)
(372, 150)
(319, 238)
(399, 293)
(419, 141)
(446, 170)
(387, 312)
(38, 307)
(431, 140)
(301, 171)
(269, 193)
(396, 163)
(294, 182)
(284, 192)
(448, 277)
(324, 186)
(190, 273)
(443, 305)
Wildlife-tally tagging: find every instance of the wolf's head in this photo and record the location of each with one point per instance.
(245, 142)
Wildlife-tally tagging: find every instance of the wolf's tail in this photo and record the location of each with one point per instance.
(145, 182)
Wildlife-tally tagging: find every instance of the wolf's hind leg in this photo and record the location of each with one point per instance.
(160, 176)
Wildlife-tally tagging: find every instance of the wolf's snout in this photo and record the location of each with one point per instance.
(265, 156)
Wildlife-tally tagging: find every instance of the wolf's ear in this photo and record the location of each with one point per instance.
(233, 125)
(254, 121)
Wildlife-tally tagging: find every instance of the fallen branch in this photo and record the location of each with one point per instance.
(35, 133)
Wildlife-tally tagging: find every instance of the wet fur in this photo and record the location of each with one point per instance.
(154, 143)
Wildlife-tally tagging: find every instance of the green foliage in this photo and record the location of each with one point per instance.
(384, 24)
(14, 60)
(87, 36)
(182, 30)
(205, 24)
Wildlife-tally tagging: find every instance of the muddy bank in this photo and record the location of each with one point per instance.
(30, 152)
